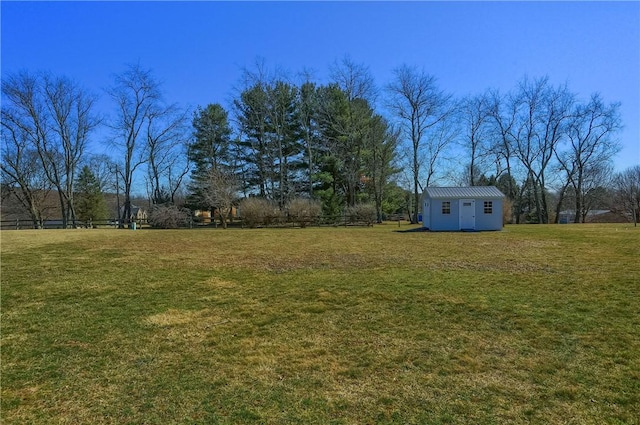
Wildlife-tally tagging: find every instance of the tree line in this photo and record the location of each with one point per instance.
(342, 143)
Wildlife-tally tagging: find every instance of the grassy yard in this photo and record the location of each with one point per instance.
(534, 324)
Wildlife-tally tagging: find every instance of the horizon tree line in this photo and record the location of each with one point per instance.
(282, 140)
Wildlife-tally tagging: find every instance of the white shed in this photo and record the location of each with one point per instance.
(462, 208)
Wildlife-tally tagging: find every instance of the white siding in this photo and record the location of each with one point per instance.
(434, 219)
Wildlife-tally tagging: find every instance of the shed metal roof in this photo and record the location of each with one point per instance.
(484, 192)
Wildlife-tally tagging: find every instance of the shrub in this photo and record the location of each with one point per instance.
(273, 215)
(168, 217)
(258, 211)
(362, 213)
(304, 211)
(507, 211)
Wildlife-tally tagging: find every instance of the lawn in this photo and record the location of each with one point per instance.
(534, 324)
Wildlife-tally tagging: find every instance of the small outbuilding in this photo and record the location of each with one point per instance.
(462, 208)
(137, 214)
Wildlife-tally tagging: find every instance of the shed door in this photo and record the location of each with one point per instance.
(467, 214)
(426, 214)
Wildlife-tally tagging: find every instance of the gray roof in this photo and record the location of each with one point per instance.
(484, 192)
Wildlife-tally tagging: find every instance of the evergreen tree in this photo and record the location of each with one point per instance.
(308, 116)
(284, 134)
(381, 147)
(269, 117)
(209, 151)
(91, 204)
(313, 141)
(212, 136)
(346, 127)
(251, 112)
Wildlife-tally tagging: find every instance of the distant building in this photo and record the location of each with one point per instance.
(137, 214)
(462, 208)
(593, 216)
(204, 216)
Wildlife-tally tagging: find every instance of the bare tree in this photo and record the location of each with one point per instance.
(502, 117)
(627, 192)
(54, 116)
(541, 123)
(354, 79)
(420, 105)
(72, 120)
(167, 133)
(475, 116)
(22, 173)
(103, 168)
(434, 150)
(135, 93)
(591, 145)
(595, 192)
(219, 192)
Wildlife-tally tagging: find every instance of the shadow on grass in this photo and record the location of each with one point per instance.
(425, 230)
(413, 230)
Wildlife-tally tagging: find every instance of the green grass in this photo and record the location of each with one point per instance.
(535, 324)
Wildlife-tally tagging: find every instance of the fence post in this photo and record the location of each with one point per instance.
(17, 224)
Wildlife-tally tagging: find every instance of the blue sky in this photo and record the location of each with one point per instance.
(199, 48)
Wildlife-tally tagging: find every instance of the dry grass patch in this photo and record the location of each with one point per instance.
(535, 324)
(173, 317)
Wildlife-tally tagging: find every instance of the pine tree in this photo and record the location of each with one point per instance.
(209, 151)
(91, 204)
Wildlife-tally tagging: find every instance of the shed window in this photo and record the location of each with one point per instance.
(446, 207)
(488, 207)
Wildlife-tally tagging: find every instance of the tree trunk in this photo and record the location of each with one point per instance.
(223, 218)
(63, 208)
(416, 183)
(579, 200)
(559, 203)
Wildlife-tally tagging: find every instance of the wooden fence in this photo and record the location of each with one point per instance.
(19, 224)
(276, 222)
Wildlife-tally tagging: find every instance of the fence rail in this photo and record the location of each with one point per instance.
(19, 224)
(276, 221)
